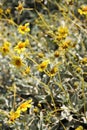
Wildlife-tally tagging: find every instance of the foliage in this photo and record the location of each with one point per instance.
(43, 65)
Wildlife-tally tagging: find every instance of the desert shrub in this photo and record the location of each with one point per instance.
(43, 65)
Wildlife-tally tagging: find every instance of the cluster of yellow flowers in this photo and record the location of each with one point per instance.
(5, 12)
(5, 50)
(66, 44)
(43, 65)
(18, 51)
(22, 108)
(61, 33)
(14, 53)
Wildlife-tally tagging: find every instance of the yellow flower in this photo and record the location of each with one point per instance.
(62, 32)
(76, 84)
(57, 53)
(79, 128)
(78, 69)
(1, 10)
(84, 60)
(36, 110)
(13, 116)
(41, 55)
(26, 71)
(20, 8)
(20, 47)
(8, 11)
(5, 48)
(83, 10)
(53, 71)
(65, 44)
(43, 65)
(24, 28)
(24, 106)
(17, 61)
(39, 105)
(80, 11)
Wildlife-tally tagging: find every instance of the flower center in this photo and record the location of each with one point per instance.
(23, 28)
